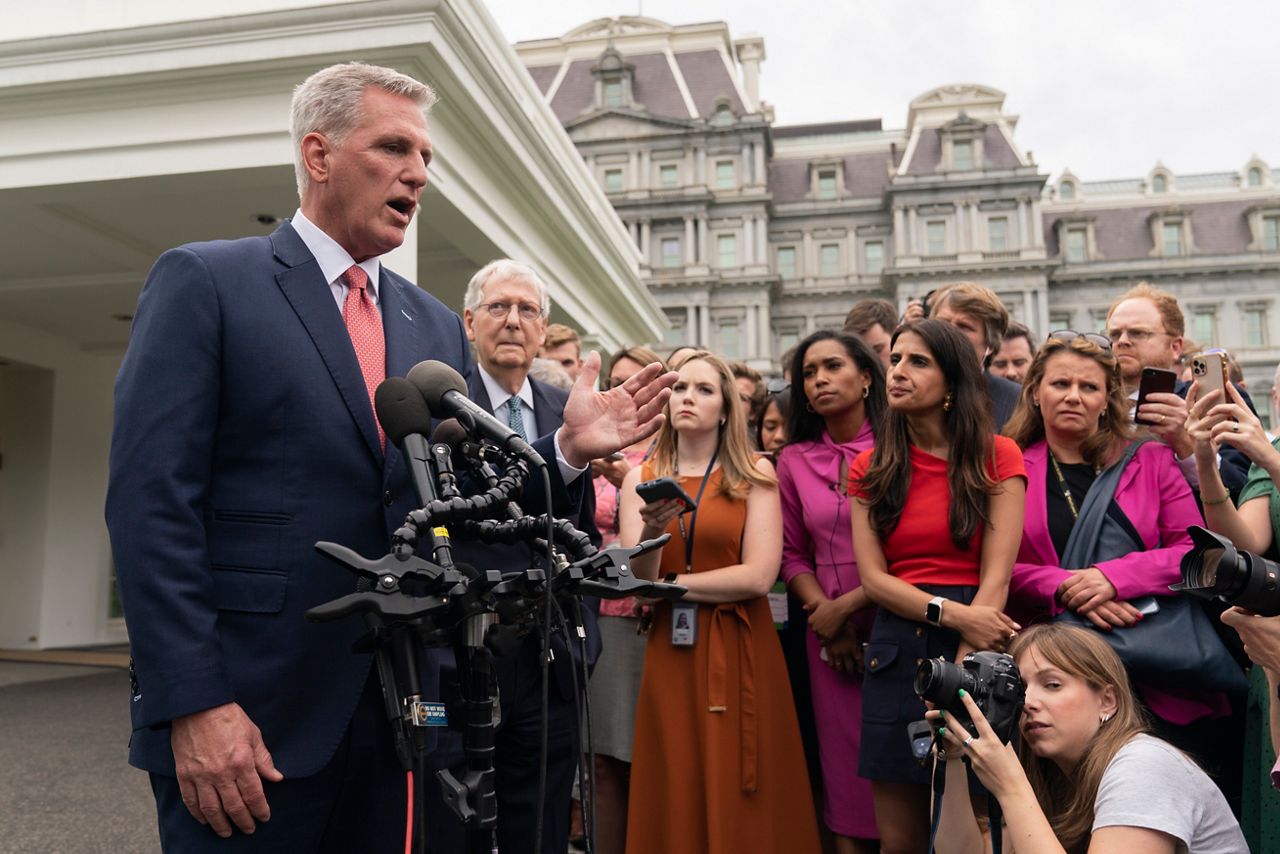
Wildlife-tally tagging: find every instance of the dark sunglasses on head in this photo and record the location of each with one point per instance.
(1069, 335)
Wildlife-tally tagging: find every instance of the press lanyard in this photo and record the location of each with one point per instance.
(693, 514)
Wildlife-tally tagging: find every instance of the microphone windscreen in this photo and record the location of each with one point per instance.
(449, 432)
(401, 409)
(433, 379)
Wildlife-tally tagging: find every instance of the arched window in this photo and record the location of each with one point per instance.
(1255, 177)
(1066, 191)
(1159, 184)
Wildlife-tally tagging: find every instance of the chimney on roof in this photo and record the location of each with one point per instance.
(750, 50)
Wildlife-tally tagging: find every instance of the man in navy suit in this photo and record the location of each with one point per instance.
(244, 433)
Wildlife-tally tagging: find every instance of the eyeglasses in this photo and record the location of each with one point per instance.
(500, 310)
(1069, 335)
(1137, 336)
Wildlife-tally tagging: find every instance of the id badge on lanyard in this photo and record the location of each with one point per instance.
(684, 615)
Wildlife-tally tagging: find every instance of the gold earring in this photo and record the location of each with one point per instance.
(866, 391)
(946, 402)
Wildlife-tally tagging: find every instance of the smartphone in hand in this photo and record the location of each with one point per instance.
(1210, 368)
(1154, 381)
(664, 487)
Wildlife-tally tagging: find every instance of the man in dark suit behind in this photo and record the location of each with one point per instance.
(981, 316)
(244, 432)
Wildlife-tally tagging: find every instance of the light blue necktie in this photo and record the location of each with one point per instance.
(515, 416)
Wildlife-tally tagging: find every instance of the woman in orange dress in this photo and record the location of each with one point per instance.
(717, 763)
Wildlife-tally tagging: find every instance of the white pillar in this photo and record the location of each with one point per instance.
(748, 245)
(807, 264)
(691, 325)
(642, 177)
(689, 257)
(850, 253)
(633, 180)
(975, 228)
(746, 179)
(750, 351)
(762, 176)
(1037, 224)
(762, 240)
(706, 327)
(1024, 223)
(899, 232)
(701, 229)
(913, 237)
(766, 339)
(633, 228)
(644, 241)
(699, 165)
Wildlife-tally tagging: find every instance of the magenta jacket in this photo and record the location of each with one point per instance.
(1154, 495)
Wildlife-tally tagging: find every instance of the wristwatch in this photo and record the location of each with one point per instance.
(933, 611)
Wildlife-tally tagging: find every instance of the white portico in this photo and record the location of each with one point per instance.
(126, 129)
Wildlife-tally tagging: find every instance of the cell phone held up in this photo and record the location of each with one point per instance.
(1210, 370)
(1154, 381)
(664, 487)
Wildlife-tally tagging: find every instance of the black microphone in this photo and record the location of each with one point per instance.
(446, 394)
(405, 419)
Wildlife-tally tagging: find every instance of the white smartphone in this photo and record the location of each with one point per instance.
(1210, 368)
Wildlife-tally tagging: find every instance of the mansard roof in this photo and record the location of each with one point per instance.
(1124, 234)
(866, 175)
(996, 151)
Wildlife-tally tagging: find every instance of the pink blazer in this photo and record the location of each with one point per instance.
(1154, 495)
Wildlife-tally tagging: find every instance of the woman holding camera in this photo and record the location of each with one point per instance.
(1086, 775)
(1072, 423)
(839, 396)
(936, 526)
(717, 764)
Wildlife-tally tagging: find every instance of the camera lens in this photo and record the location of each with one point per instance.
(939, 681)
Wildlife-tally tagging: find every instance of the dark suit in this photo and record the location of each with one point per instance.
(1004, 398)
(244, 434)
(519, 676)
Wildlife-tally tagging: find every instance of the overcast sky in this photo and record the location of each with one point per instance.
(1104, 88)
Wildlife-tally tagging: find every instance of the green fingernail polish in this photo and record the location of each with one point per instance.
(962, 693)
(942, 730)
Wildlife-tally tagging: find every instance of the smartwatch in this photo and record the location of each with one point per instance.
(933, 611)
(670, 578)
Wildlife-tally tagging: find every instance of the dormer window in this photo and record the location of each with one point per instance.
(1159, 184)
(962, 155)
(1264, 225)
(961, 140)
(1076, 240)
(1076, 251)
(1255, 177)
(1171, 233)
(826, 179)
(613, 96)
(1066, 191)
(722, 116)
(827, 184)
(1159, 180)
(613, 77)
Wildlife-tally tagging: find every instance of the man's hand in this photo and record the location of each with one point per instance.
(1261, 636)
(1086, 589)
(1165, 415)
(220, 758)
(598, 423)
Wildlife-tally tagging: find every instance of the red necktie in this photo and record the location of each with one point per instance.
(364, 325)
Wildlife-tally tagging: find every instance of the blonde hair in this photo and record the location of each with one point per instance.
(1067, 800)
(737, 461)
(329, 102)
(980, 303)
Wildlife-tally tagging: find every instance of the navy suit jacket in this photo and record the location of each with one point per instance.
(244, 434)
(1004, 398)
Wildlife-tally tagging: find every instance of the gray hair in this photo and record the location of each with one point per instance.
(551, 372)
(503, 269)
(328, 102)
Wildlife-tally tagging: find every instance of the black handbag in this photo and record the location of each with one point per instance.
(1174, 647)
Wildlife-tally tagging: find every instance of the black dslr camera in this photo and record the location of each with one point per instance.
(991, 678)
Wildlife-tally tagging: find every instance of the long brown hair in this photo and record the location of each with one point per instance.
(968, 429)
(737, 462)
(1026, 425)
(1067, 800)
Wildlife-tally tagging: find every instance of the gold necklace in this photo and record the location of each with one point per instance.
(1066, 491)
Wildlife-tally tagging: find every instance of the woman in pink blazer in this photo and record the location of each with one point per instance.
(838, 394)
(1071, 422)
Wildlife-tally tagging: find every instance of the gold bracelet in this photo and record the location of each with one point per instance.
(1223, 500)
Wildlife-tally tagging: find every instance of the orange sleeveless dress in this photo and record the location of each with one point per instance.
(717, 763)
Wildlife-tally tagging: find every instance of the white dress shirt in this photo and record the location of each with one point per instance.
(334, 260)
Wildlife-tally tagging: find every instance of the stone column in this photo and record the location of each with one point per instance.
(691, 325)
(807, 263)
(748, 245)
(689, 257)
(762, 175)
(752, 329)
(702, 238)
(1037, 224)
(746, 179)
(699, 165)
(642, 177)
(1024, 222)
(762, 240)
(975, 228)
(766, 339)
(899, 231)
(962, 227)
(634, 168)
(913, 237)
(644, 241)
(705, 331)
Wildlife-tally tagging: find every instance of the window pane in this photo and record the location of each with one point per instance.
(1204, 327)
(1076, 253)
(728, 340)
(787, 262)
(873, 254)
(1255, 328)
(671, 256)
(998, 233)
(1271, 234)
(668, 176)
(1255, 177)
(1059, 321)
(613, 181)
(787, 339)
(826, 185)
(962, 155)
(1158, 184)
(936, 238)
(727, 244)
(1067, 190)
(830, 259)
(613, 94)
(726, 179)
(1172, 232)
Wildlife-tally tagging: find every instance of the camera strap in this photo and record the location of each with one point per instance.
(939, 786)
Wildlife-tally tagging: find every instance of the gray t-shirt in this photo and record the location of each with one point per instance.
(1151, 784)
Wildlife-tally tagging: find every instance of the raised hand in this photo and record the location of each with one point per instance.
(598, 423)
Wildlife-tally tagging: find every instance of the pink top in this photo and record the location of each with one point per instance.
(607, 524)
(1154, 495)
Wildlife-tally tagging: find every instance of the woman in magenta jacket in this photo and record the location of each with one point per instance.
(838, 393)
(1071, 422)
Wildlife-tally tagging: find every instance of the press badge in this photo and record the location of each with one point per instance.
(684, 623)
(778, 605)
